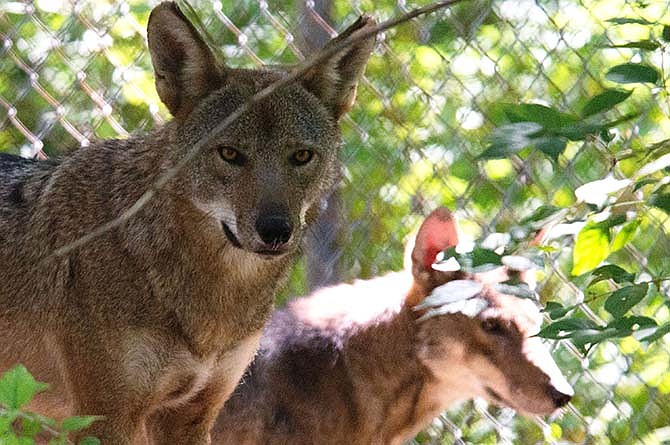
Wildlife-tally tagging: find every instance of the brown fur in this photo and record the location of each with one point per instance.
(353, 364)
(153, 323)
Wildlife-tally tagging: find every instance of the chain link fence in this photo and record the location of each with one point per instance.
(75, 71)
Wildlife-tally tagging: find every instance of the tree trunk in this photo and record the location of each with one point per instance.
(322, 244)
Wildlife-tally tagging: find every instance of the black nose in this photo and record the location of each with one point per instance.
(560, 399)
(274, 230)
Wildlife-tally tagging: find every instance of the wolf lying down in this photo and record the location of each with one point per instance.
(357, 364)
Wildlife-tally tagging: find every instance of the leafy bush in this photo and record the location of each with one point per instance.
(21, 427)
(608, 213)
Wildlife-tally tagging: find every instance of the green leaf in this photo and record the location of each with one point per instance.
(451, 292)
(10, 439)
(481, 256)
(640, 184)
(659, 333)
(654, 166)
(77, 423)
(591, 248)
(627, 20)
(552, 146)
(548, 118)
(18, 387)
(580, 130)
(556, 310)
(632, 73)
(622, 300)
(605, 101)
(665, 35)
(5, 423)
(628, 325)
(606, 135)
(30, 426)
(541, 213)
(592, 336)
(648, 45)
(509, 139)
(612, 221)
(566, 327)
(89, 441)
(612, 272)
(625, 235)
(638, 326)
(662, 201)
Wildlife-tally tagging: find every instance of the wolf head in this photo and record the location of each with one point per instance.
(265, 175)
(491, 352)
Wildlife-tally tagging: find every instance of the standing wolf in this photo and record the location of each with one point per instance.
(153, 323)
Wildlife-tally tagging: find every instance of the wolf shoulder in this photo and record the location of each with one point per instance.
(20, 178)
(23, 181)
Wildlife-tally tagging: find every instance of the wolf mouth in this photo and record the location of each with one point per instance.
(270, 253)
(498, 398)
(266, 253)
(231, 236)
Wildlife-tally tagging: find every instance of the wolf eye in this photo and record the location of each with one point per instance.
(302, 157)
(493, 326)
(231, 155)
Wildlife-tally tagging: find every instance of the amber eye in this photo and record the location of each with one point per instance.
(231, 155)
(494, 326)
(302, 157)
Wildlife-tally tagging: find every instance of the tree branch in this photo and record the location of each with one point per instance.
(200, 145)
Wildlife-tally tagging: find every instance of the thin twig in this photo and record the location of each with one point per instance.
(200, 145)
(46, 428)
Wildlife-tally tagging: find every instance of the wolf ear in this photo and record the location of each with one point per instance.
(334, 82)
(185, 67)
(437, 233)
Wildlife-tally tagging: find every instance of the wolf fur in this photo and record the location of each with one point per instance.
(152, 324)
(356, 364)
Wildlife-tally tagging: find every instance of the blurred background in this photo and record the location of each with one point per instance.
(434, 125)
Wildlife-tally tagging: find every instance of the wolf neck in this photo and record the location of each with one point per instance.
(388, 378)
(390, 386)
(205, 284)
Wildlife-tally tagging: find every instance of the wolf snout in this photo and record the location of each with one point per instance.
(274, 230)
(559, 398)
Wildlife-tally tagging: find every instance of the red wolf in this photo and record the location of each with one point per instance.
(360, 364)
(154, 322)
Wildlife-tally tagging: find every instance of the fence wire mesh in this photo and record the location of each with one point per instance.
(71, 72)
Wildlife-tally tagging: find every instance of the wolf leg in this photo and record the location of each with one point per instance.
(190, 423)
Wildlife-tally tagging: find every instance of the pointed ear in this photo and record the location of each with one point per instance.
(437, 233)
(184, 66)
(334, 82)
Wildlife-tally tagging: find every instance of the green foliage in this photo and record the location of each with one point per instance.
(591, 247)
(18, 387)
(19, 426)
(632, 73)
(604, 101)
(499, 111)
(608, 211)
